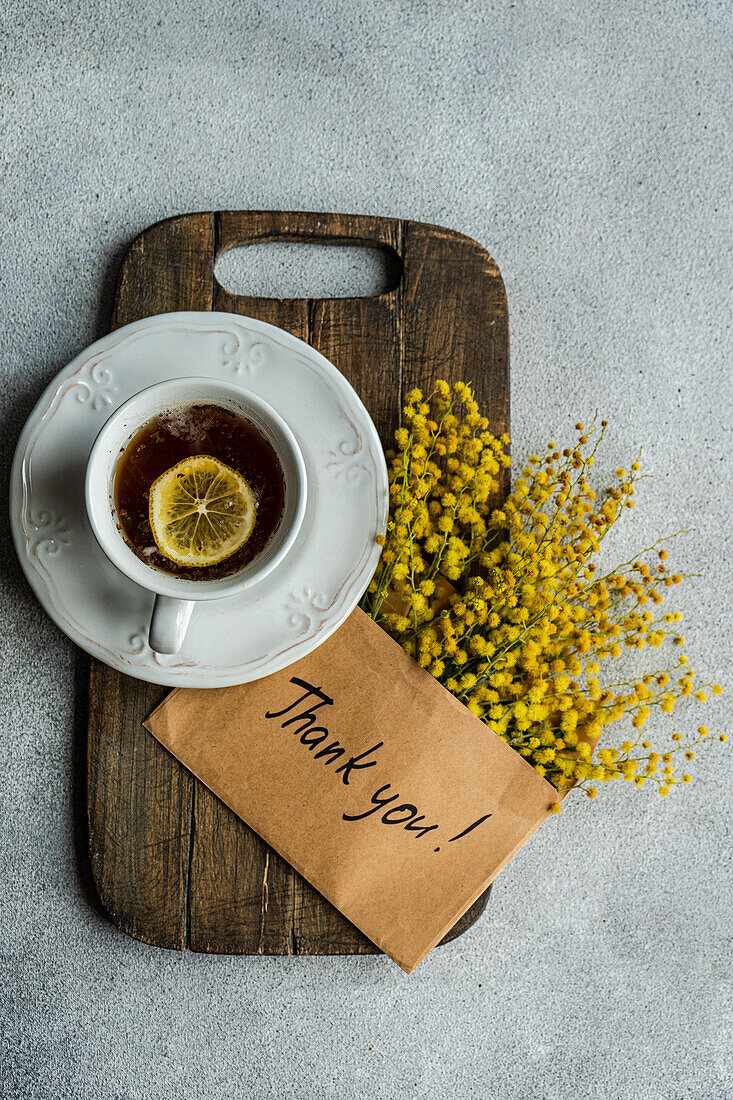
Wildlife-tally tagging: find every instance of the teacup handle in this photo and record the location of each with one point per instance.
(168, 624)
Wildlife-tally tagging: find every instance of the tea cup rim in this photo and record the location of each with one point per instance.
(100, 475)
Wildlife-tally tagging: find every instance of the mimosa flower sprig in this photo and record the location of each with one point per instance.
(530, 620)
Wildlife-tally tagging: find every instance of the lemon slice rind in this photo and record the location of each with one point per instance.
(201, 511)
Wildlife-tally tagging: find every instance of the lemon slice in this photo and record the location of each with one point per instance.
(201, 511)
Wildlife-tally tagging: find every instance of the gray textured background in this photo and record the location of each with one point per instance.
(585, 145)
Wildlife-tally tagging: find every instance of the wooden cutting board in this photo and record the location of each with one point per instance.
(173, 866)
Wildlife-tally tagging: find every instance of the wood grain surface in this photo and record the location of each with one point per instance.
(173, 866)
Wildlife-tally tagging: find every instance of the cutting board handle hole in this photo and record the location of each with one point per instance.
(304, 269)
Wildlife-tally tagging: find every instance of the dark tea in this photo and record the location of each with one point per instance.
(180, 433)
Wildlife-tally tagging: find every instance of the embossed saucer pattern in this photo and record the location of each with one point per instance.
(286, 615)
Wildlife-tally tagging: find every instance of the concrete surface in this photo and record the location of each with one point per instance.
(586, 146)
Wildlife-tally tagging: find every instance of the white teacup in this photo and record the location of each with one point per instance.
(174, 596)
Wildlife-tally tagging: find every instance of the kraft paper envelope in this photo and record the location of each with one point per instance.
(367, 776)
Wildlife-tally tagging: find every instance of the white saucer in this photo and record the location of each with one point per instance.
(281, 619)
